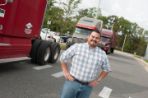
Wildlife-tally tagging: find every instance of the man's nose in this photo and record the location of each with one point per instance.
(94, 38)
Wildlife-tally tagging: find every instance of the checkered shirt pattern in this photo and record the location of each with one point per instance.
(86, 62)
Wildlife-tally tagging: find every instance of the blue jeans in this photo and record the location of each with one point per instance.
(73, 89)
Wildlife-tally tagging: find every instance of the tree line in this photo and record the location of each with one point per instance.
(63, 17)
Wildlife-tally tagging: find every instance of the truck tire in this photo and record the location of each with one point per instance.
(44, 52)
(108, 51)
(55, 52)
(112, 50)
(34, 49)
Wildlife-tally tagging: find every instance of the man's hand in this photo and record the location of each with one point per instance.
(94, 83)
(68, 76)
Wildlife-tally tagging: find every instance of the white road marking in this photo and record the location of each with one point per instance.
(58, 74)
(42, 67)
(105, 93)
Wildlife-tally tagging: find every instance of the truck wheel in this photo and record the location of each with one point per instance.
(55, 52)
(44, 52)
(112, 50)
(108, 51)
(33, 53)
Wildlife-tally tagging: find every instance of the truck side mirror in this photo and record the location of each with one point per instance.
(9, 1)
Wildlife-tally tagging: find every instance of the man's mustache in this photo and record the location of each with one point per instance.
(94, 41)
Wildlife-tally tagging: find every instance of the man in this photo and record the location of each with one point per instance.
(84, 73)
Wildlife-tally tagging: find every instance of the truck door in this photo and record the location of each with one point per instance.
(7, 15)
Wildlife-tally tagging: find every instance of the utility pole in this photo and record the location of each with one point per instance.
(145, 34)
(124, 42)
(146, 53)
(99, 9)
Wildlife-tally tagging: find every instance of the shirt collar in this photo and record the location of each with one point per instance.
(90, 48)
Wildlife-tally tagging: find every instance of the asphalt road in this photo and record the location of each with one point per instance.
(129, 79)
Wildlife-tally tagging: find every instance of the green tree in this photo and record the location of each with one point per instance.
(55, 16)
(90, 12)
(104, 19)
(70, 7)
(56, 19)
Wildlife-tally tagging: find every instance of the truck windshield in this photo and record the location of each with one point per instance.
(83, 31)
(105, 39)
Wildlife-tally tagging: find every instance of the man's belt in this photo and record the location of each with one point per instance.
(83, 83)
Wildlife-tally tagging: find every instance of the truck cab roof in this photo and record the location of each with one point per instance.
(107, 33)
(90, 23)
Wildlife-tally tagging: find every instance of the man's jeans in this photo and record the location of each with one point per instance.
(73, 89)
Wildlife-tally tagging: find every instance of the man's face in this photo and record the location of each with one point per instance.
(93, 39)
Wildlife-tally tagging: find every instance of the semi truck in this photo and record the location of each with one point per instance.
(20, 25)
(85, 26)
(108, 41)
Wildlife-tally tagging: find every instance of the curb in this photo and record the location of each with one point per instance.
(123, 53)
(140, 60)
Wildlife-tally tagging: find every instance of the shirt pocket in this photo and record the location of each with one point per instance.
(77, 57)
(95, 62)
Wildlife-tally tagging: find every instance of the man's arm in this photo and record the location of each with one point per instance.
(105, 70)
(102, 75)
(66, 72)
(65, 57)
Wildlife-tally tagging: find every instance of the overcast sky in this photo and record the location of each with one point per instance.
(133, 10)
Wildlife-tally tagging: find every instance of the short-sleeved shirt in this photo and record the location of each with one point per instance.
(86, 62)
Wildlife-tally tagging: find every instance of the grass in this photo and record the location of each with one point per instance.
(137, 56)
(140, 57)
(62, 46)
(146, 61)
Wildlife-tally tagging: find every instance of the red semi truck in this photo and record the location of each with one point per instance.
(108, 40)
(85, 26)
(20, 25)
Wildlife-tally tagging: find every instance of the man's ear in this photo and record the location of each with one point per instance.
(86, 39)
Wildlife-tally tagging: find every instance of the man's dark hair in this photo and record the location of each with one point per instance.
(97, 31)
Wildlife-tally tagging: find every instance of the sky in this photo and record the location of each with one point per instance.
(133, 10)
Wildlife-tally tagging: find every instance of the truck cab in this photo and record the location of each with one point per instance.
(108, 40)
(83, 28)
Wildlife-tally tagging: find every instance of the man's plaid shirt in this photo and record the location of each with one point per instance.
(86, 62)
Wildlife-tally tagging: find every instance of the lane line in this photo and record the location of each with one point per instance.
(58, 74)
(42, 67)
(105, 93)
